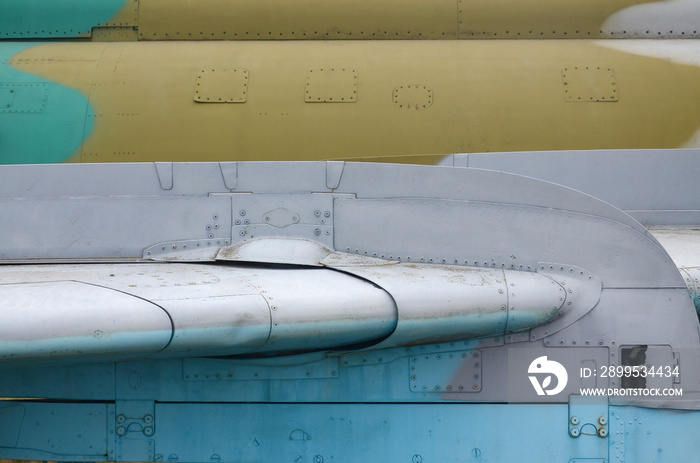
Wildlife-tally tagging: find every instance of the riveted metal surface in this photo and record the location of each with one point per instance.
(102, 219)
(305, 216)
(19, 97)
(241, 233)
(384, 356)
(379, 217)
(582, 293)
(511, 222)
(114, 34)
(135, 424)
(190, 250)
(436, 372)
(537, 19)
(303, 19)
(281, 217)
(7, 97)
(589, 84)
(222, 85)
(692, 280)
(415, 96)
(588, 425)
(465, 303)
(232, 370)
(331, 85)
(37, 19)
(142, 98)
(526, 299)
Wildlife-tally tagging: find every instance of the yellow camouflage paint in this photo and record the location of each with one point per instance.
(488, 96)
(308, 80)
(298, 20)
(532, 19)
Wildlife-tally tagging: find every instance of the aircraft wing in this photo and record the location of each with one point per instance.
(135, 297)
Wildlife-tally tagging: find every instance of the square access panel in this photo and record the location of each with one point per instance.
(221, 85)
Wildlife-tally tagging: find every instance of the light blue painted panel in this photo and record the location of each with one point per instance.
(33, 19)
(23, 97)
(190, 432)
(66, 382)
(40, 121)
(55, 431)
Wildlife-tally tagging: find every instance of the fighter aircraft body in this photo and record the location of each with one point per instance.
(531, 306)
(406, 81)
(335, 311)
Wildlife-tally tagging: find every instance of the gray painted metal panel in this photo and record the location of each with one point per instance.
(623, 287)
(112, 226)
(489, 234)
(658, 187)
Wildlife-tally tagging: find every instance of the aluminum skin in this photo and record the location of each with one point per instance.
(475, 274)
